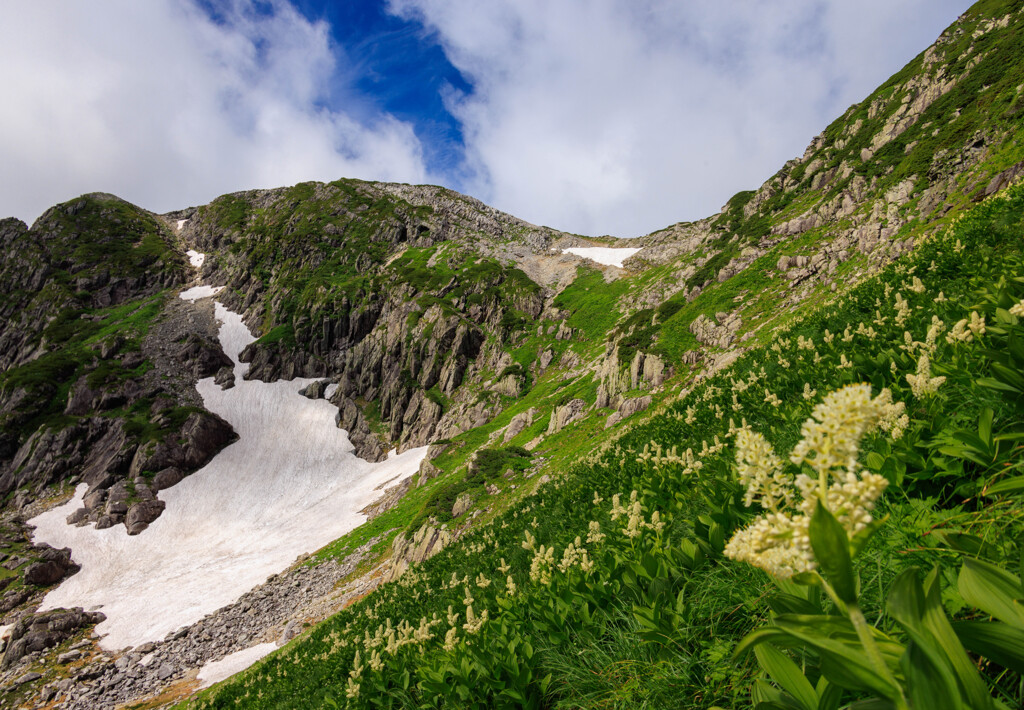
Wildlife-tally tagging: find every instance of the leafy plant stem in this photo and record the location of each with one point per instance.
(860, 624)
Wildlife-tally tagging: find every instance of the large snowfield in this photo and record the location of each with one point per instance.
(290, 485)
(603, 255)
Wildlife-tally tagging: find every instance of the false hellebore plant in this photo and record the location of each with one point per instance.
(816, 521)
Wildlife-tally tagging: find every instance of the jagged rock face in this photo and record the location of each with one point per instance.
(566, 414)
(425, 543)
(721, 331)
(99, 361)
(89, 253)
(389, 291)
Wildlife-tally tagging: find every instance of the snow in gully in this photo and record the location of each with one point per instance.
(288, 486)
(604, 255)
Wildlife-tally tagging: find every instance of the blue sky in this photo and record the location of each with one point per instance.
(592, 116)
(402, 68)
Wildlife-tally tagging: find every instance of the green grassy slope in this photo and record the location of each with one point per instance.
(567, 601)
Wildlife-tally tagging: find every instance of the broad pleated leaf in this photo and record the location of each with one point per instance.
(788, 675)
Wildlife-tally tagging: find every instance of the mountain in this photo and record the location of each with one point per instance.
(541, 379)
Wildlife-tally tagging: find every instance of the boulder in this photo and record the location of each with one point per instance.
(631, 406)
(425, 542)
(315, 390)
(53, 566)
(141, 514)
(225, 377)
(167, 477)
(462, 504)
(205, 356)
(518, 424)
(427, 471)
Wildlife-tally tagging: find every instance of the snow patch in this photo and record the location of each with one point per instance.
(194, 257)
(197, 292)
(181, 223)
(604, 255)
(216, 671)
(289, 486)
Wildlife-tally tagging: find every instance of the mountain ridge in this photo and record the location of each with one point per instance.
(442, 320)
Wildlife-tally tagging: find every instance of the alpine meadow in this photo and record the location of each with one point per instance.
(376, 445)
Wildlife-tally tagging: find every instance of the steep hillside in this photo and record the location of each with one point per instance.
(99, 373)
(612, 585)
(544, 380)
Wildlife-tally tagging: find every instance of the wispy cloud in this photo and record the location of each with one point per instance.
(624, 116)
(595, 116)
(160, 104)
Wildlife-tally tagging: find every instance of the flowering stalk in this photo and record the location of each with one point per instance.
(810, 521)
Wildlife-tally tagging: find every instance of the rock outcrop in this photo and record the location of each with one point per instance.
(424, 543)
(37, 632)
(566, 414)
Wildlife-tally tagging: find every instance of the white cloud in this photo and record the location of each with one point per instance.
(155, 102)
(595, 116)
(624, 116)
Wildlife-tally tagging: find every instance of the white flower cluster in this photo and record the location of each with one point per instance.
(967, 330)
(778, 541)
(922, 384)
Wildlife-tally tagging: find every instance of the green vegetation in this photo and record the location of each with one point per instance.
(48, 379)
(625, 582)
(593, 305)
(610, 587)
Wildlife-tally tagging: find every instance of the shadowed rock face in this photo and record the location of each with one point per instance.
(97, 363)
(37, 632)
(339, 300)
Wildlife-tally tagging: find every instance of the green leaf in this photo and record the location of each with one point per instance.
(995, 384)
(929, 684)
(787, 674)
(937, 657)
(832, 552)
(807, 579)
(843, 664)
(874, 461)
(792, 604)
(962, 542)
(993, 590)
(993, 640)
(871, 704)
(985, 426)
(758, 636)
(1011, 377)
(937, 623)
(829, 694)
(1009, 485)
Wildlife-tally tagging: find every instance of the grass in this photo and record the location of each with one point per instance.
(651, 625)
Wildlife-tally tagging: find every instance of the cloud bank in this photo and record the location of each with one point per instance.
(593, 116)
(624, 116)
(157, 103)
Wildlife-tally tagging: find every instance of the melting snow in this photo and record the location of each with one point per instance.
(229, 665)
(181, 223)
(604, 255)
(194, 257)
(197, 292)
(290, 485)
